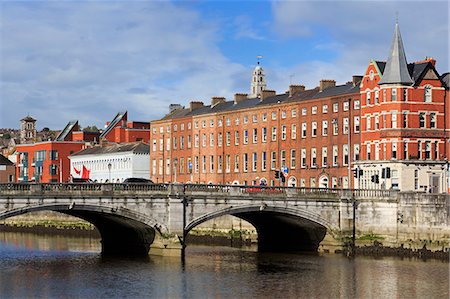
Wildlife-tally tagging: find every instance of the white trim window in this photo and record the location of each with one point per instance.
(427, 94)
(324, 127)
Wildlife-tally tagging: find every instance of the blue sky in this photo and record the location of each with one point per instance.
(87, 60)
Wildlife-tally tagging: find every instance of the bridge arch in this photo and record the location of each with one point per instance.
(122, 231)
(279, 228)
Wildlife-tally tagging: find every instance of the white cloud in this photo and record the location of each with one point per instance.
(83, 60)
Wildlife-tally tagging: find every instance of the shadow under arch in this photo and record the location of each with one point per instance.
(122, 231)
(279, 228)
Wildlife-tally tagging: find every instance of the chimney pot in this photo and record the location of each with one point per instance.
(217, 100)
(193, 105)
(295, 88)
(356, 79)
(239, 97)
(324, 84)
(266, 93)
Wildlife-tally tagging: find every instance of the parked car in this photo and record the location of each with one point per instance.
(80, 180)
(137, 180)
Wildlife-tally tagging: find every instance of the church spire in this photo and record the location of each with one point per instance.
(258, 83)
(396, 70)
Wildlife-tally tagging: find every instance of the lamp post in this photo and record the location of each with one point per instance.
(109, 171)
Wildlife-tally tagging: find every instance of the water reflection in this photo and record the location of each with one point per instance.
(58, 267)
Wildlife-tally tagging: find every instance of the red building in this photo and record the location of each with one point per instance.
(121, 130)
(392, 124)
(45, 162)
(7, 170)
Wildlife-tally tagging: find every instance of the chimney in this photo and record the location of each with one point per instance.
(239, 97)
(356, 79)
(173, 107)
(193, 105)
(217, 100)
(266, 93)
(295, 88)
(324, 84)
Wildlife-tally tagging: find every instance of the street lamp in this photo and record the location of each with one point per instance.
(109, 170)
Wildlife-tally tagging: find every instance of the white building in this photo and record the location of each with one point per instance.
(112, 163)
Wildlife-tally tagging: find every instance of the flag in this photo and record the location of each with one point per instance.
(86, 172)
(76, 171)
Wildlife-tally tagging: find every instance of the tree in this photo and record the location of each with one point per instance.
(90, 129)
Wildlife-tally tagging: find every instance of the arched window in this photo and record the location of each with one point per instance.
(427, 94)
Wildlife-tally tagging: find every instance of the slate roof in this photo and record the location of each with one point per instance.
(396, 70)
(446, 79)
(5, 161)
(119, 116)
(256, 102)
(135, 147)
(69, 127)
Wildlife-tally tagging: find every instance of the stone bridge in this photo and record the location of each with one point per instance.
(136, 218)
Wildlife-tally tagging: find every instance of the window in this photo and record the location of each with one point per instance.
(236, 163)
(377, 96)
(175, 143)
(377, 150)
(377, 122)
(346, 126)
(211, 123)
(283, 132)
(335, 107)
(189, 141)
(356, 152)
(312, 182)
(219, 123)
(324, 127)
(53, 169)
(293, 153)
(427, 94)
(345, 154)
(211, 140)
(274, 115)
(254, 161)
(264, 117)
(283, 157)
(228, 138)
(264, 134)
(219, 163)
(313, 157)
(368, 151)
(54, 153)
(393, 95)
(394, 150)
(182, 127)
(436, 150)
(203, 164)
(203, 123)
(384, 95)
(204, 140)
(245, 119)
(263, 161)
(303, 111)
(236, 121)
(303, 158)
(245, 158)
(211, 164)
(324, 108)
(356, 105)
(294, 132)
(422, 119)
(236, 137)
(196, 125)
(245, 136)
(314, 110)
(161, 129)
(274, 133)
(273, 160)
(368, 122)
(345, 106)
(416, 179)
(314, 129)
(283, 114)
(432, 120)
(405, 94)
(405, 120)
(196, 140)
(294, 112)
(154, 145)
(219, 139)
(419, 149)
(324, 156)
(255, 135)
(335, 127)
(168, 144)
(227, 122)
(181, 165)
(405, 150)
(153, 167)
(335, 155)
(255, 118)
(394, 120)
(303, 130)
(427, 150)
(368, 97)
(356, 124)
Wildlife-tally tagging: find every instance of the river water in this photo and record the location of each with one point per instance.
(36, 266)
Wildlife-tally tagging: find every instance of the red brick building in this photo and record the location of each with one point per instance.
(7, 170)
(404, 111)
(121, 130)
(394, 126)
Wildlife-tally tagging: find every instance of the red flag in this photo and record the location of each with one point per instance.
(86, 172)
(76, 171)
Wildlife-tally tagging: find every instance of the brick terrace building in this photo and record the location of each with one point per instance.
(7, 170)
(245, 140)
(319, 134)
